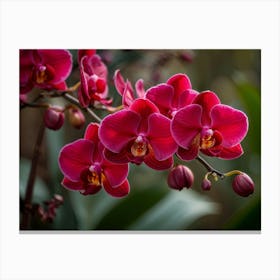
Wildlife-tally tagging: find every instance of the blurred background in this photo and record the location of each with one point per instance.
(235, 75)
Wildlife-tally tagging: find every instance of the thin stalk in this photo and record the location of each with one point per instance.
(31, 179)
(209, 167)
(74, 100)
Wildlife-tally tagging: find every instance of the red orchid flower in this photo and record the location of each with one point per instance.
(125, 89)
(138, 134)
(93, 86)
(173, 95)
(209, 126)
(86, 170)
(46, 69)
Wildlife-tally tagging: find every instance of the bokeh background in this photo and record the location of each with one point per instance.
(235, 75)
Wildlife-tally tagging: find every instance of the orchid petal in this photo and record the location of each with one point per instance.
(91, 189)
(224, 153)
(185, 98)
(127, 97)
(60, 86)
(121, 157)
(115, 173)
(231, 123)
(153, 163)
(144, 108)
(75, 157)
(160, 137)
(119, 82)
(91, 132)
(180, 82)
(96, 66)
(188, 154)
(162, 96)
(207, 100)
(118, 129)
(60, 60)
(140, 90)
(72, 185)
(83, 94)
(186, 125)
(120, 191)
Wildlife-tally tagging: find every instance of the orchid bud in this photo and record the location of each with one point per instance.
(180, 177)
(243, 185)
(76, 117)
(54, 117)
(206, 185)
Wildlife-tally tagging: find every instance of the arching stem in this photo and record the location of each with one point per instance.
(209, 167)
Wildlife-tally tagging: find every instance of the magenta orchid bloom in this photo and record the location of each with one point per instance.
(46, 69)
(86, 170)
(173, 95)
(209, 126)
(125, 89)
(138, 134)
(93, 86)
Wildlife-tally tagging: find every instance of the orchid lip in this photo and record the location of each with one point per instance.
(139, 148)
(207, 140)
(95, 168)
(42, 68)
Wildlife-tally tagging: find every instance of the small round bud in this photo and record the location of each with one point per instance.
(54, 117)
(243, 185)
(180, 177)
(206, 185)
(76, 117)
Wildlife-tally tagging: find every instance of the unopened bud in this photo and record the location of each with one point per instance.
(180, 177)
(206, 185)
(76, 117)
(54, 117)
(243, 185)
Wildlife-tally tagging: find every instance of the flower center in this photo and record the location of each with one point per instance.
(207, 139)
(41, 74)
(93, 178)
(139, 147)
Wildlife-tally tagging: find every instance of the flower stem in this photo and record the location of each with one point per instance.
(209, 167)
(31, 179)
(72, 99)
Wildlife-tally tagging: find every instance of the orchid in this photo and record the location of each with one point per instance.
(87, 171)
(46, 69)
(138, 134)
(210, 127)
(173, 95)
(93, 88)
(161, 127)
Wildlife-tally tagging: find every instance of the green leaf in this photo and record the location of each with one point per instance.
(247, 217)
(176, 211)
(250, 96)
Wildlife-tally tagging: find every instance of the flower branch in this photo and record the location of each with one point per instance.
(31, 178)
